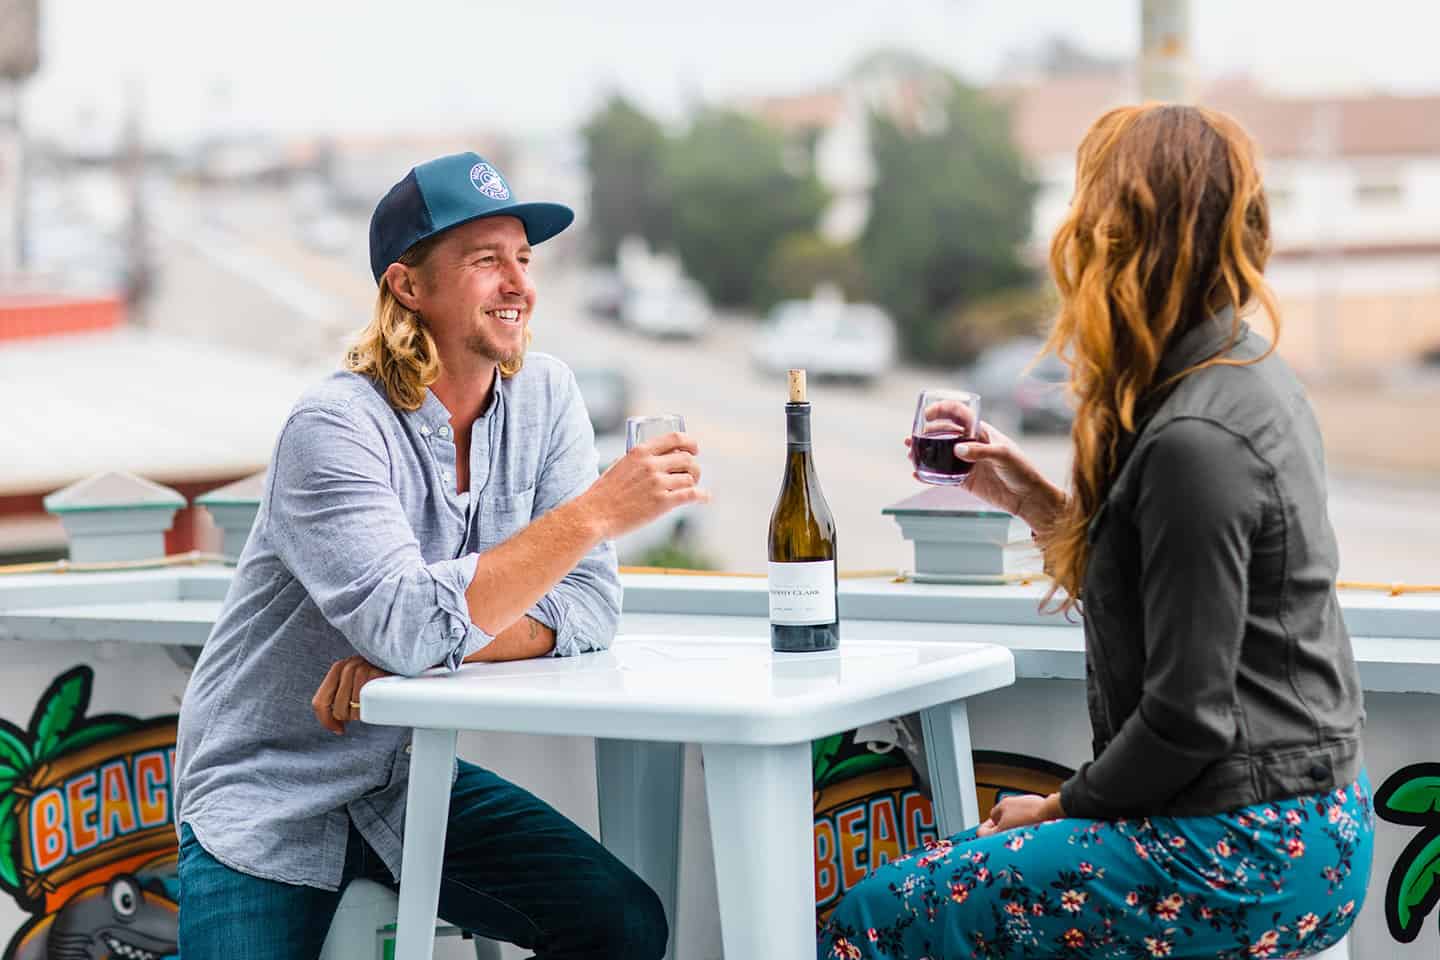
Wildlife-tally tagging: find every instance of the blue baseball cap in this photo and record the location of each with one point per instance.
(445, 193)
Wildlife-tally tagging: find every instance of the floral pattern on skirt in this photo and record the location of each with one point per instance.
(1273, 880)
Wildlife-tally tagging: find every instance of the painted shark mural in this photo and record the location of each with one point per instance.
(87, 836)
(120, 919)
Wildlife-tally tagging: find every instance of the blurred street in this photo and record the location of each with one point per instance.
(894, 198)
(236, 274)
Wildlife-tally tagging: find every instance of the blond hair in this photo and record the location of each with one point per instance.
(397, 349)
(1169, 220)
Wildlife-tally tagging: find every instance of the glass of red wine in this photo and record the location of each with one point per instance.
(943, 418)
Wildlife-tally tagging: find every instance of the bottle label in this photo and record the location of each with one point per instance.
(802, 594)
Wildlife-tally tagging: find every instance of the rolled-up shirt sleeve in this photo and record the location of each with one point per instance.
(1199, 503)
(584, 607)
(338, 526)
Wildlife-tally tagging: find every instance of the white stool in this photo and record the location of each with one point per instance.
(364, 926)
(1341, 951)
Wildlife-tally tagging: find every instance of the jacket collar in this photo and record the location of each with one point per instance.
(1213, 335)
(1205, 339)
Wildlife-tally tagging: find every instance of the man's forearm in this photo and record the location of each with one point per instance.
(510, 577)
(524, 639)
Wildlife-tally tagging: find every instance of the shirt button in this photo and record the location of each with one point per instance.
(424, 431)
(449, 478)
(408, 748)
(444, 432)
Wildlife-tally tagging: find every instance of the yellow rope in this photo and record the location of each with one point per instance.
(1394, 589)
(1022, 578)
(190, 559)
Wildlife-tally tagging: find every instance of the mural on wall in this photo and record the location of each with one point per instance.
(87, 838)
(1411, 797)
(873, 803)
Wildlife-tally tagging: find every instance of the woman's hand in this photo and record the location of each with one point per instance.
(1023, 811)
(337, 702)
(1003, 476)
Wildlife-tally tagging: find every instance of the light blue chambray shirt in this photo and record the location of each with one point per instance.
(362, 545)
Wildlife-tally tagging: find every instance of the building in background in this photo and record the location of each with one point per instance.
(84, 394)
(1354, 187)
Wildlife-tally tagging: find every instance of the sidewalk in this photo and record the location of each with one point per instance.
(1378, 429)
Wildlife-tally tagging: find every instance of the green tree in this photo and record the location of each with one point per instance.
(994, 318)
(803, 261)
(624, 150)
(736, 192)
(950, 209)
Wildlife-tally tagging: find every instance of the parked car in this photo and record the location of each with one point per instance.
(675, 309)
(1030, 398)
(604, 292)
(328, 232)
(830, 339)
(606, 393)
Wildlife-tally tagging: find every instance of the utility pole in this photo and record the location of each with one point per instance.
(12, 193)
(19, 56)
(1323, 144)
(1165, 50)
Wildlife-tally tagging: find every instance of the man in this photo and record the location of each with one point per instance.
(435, 503)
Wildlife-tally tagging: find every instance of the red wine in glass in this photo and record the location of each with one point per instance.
(935, 454)
(943, 418)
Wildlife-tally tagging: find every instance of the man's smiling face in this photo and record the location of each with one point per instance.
(475, 291)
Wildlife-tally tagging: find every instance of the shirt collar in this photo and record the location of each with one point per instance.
(434, 415)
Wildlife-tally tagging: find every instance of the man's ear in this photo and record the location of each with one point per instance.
(403, 282)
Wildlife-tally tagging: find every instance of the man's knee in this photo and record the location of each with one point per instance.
(628, 921)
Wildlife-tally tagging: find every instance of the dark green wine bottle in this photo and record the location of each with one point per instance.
(804, 616)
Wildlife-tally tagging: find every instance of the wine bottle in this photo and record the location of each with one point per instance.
(803, 612)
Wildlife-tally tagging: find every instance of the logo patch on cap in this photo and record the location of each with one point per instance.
(488, 181)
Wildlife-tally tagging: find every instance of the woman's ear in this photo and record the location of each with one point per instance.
(404, 283)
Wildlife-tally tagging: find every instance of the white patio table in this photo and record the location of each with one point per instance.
(753, 712)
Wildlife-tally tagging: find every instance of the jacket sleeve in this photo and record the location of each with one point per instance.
(338, 526)
(584, 607)
(1199, 503)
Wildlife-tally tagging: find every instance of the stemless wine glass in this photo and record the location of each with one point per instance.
(943, 418)
(639, 430)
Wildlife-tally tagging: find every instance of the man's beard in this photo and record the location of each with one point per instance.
(481, 345)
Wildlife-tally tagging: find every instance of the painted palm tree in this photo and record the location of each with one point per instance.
(57, 727)
(1411, 797)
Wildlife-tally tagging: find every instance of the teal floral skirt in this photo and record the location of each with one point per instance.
(1282, 879)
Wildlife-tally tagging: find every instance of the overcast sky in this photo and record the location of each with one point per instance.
(534, 66)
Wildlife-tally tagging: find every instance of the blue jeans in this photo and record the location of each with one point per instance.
(514, 870)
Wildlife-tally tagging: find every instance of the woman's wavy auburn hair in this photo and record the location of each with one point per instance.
(1168, 223)
(397, 349)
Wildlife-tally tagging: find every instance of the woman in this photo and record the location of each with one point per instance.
(1226, 813)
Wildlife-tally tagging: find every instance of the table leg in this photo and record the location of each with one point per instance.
(762, 828)
(639, 785)
(427, 814)
(952, 768)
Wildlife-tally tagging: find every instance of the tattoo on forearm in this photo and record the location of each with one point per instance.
(534, 629)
